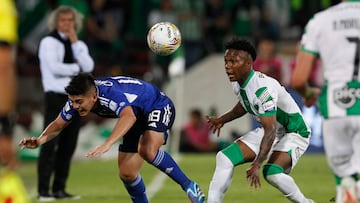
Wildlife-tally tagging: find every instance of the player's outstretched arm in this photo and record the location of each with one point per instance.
(51, 131)
(126, 120)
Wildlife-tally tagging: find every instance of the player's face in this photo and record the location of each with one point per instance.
(237, 65)
(83, 103)
(66, 22)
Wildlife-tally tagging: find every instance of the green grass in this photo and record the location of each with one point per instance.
(97, 181)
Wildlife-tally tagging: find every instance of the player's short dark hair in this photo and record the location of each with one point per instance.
(243, 45)
(80, 84)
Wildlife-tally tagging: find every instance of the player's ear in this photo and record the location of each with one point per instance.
(249, 61)
(94, 95)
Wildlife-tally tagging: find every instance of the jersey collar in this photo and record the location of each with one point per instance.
(251, 74)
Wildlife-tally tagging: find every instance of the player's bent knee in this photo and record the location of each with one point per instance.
(223, 161)
(127, 176)
(270, 171)
(234, 154)
(147, 154)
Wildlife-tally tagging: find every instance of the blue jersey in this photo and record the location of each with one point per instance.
(116, 93)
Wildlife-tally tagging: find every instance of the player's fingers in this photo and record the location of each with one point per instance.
(250, 181)
(23, 141)
(207, 118)
(218, 132)
(91, 153)
(254, 182)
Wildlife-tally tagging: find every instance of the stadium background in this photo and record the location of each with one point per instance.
(200, 83)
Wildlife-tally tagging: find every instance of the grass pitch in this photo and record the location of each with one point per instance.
(97, 181)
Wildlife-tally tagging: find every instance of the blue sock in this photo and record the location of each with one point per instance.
(166, 164)
(136, 190)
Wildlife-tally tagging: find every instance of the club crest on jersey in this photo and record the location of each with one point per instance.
(346, 97)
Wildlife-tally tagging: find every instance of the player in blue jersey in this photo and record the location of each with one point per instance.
(145, 117)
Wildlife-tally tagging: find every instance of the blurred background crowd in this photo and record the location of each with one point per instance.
(115, 32)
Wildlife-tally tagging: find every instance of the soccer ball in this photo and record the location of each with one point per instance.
(164, 38)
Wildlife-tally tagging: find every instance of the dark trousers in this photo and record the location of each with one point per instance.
(55, 155)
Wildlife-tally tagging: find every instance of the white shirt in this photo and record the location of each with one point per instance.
(334, 35)
(56, 75)
(261, 95)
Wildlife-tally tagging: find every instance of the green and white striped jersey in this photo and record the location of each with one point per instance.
(261, 95)
(334, 35)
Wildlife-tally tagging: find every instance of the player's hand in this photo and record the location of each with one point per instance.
(215, 124)
(98, 151)
(252, 175)
(313, 96)
(29, 142)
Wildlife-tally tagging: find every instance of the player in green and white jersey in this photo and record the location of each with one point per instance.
(282, 140)
(334, 36)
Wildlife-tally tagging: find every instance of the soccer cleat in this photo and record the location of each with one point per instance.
(194, 193)
(46, 198)
(64, 195)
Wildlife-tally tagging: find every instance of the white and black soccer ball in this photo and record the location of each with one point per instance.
(164, 38)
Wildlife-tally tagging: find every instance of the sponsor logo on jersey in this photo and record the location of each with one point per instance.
(346, 97)
(269, 106)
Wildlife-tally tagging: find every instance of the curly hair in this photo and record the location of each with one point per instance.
(80, 84)
(243, 45)
(54, 16)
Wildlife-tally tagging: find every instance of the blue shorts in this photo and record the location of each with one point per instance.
(160, 119)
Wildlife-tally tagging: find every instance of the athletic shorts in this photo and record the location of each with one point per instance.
(160, 119)
(341, 142)
(292, 143)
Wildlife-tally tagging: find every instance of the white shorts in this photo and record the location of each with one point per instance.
(341, 141)
(292, 143)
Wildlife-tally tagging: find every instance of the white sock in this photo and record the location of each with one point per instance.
(338, 194)
(287, 186)
(221, 179)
